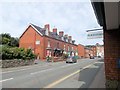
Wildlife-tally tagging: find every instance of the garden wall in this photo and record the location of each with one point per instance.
(15, 63)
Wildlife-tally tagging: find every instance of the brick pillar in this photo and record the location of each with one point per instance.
(112, 53)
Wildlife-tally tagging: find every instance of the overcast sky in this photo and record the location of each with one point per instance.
(74, 18)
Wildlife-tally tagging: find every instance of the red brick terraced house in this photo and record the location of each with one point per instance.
(44, 43)
(88, 52)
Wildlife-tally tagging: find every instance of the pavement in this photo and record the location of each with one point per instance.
(86, 73)
(88, 77)
(99, 80)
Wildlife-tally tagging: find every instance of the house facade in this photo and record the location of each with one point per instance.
(81, 51)
(88, 52)
(44, 43)
(94, 50)
(99, 50)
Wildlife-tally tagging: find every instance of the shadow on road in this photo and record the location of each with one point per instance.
(87, 75)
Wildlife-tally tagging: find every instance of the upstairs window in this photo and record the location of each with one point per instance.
(48, 43)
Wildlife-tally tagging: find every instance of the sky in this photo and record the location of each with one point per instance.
(74, 18)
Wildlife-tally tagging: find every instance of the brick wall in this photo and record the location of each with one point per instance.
(28, 41)
(112, 53)
(94, 50)
(81, 50)
(53, 44)
(87, 53)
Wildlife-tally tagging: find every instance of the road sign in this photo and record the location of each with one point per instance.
(94, 34)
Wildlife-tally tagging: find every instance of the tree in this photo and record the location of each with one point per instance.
(6, 39)
(14, 42)
(7, 35)
(9, 49)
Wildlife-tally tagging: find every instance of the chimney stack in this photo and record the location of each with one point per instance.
(61, 33)
(66, 35)
(47, 27)
(70, 37)
(73, 41)
(55, 30)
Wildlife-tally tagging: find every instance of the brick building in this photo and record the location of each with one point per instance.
(44, 43)
(99, 50)
(95, 50)
(88, 52)
(81, 51)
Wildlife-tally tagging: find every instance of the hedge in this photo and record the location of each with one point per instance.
(7, 52)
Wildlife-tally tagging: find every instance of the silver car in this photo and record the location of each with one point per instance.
(71, 60)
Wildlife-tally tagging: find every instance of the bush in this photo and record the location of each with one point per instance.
(16, 53)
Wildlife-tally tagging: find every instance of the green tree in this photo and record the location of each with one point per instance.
(14, 42)
(6, 39)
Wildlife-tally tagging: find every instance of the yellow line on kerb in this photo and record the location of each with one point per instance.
(62, 79)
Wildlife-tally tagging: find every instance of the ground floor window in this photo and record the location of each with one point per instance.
(58, 53)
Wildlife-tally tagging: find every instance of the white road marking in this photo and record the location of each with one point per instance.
(35, 67)
(41, 71)
(20, 69)
(51, 69)
(28, 68)
(6, 80)
(15, 70)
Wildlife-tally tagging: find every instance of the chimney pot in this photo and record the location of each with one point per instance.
(61, 33)
(55, 30)
(66, 35)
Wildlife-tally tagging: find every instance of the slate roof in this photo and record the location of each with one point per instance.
(41, 30)
(51, 34)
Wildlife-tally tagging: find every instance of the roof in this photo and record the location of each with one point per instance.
(87, 48)
(41, 31)
(99, 12)
(107, 14)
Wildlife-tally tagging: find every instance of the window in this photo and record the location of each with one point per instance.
(48, 43)
(64, 47)
(37, 42)
(72, 48)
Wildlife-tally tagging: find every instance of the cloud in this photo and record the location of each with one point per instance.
(74, 18)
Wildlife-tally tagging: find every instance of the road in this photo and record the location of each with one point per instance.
(52, 75)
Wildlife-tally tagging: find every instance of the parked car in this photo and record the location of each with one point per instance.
(91, 57)
(99, 56)
(71, 59)
(36, 61)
